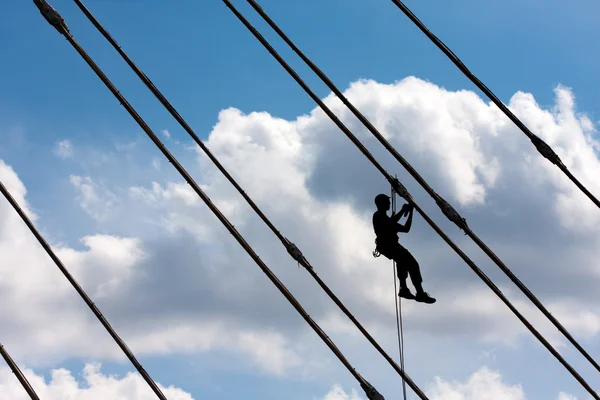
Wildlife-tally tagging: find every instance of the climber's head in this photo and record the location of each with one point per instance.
(382, 202)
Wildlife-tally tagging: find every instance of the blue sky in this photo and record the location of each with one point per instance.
(204, 60)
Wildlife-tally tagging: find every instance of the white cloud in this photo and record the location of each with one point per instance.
(156, 164)
(337, 393)
(17, 189)
(108, 263)
(95, 200)
(63, 149)
(107, 268)
(483, 384)
(173, 264)
(95, 386)
(565, 396)
(166, 133)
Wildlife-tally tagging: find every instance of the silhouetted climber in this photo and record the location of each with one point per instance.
(386, 229)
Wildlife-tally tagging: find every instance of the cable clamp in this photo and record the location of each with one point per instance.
(52, 16)
(546, 150)
(401, 190)
(295, 252)
(371, 392)
(451, 213)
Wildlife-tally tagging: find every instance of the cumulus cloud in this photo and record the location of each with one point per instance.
(95, 200)
(95, 386)
(111, 269)
(156, 164)
(63, 149)
(177, 265)
(17, 189)
(338, 393)
(565, 396)
(483, 384)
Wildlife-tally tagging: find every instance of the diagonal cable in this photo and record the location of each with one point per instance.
(57, 21)
(542, 147)
(292, 249)
(82, 293)
(400, 189)
(18, 373)
(446, 208)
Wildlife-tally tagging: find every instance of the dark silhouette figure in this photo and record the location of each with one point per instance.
(386, 229)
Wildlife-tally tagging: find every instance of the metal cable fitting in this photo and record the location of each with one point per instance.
(451, 213)
(546, 150)
(52, 16)
(401, 190)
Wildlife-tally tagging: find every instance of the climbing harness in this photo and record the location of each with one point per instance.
(376, 253)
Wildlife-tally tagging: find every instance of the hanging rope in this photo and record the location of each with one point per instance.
(58, 22)
(18, 373)
(403, 192)
(401, 341)
(292, 249)
(398, 302)
(445, 207)
(542, 147)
